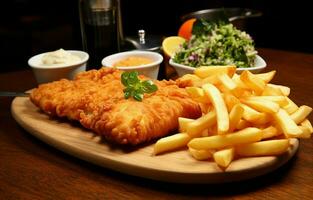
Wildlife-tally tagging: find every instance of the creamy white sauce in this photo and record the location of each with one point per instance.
(59, 57)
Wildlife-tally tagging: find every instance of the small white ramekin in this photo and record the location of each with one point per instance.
(49, 73)
(150, 70)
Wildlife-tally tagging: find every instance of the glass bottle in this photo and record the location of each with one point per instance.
(100, 23)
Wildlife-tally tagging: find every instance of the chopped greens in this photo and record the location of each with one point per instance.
(134, 87)
(217, 43)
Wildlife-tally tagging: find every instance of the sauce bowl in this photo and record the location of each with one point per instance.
(47, 73)
(150, 70)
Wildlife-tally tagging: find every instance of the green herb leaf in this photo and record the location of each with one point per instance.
(138, 96)
(127, 93)
(149, 87)
(130, 78)
(136, 88)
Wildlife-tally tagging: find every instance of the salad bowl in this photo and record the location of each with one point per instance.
(259, 65)
(217, 43)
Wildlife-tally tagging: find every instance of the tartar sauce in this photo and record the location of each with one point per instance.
(59, 57)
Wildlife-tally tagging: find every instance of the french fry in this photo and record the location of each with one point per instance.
(262, 105)
(306, 133)
(212, 130)
(280, 100)
(302, 112)
(230, 100)
(263, 148)
(224, 157)
(239, 82)
(204, 71)
(284, 121)
(206, 107)
(171, 143)
(263, 120)
(213, 79)
(201, 154)
(227, 82)
(205, 132)
(243, 115)
(195, 128)
(267, 77)
(192, 80)
(271, 91)
(246, 135)
(183, 123)
(253, 82)
(291, 107)
(235, 116)
(308, 124)
(284, 89)
(251, 114)
(254, 116)
(220, 108)
(242, 124)
(197, 94)
(306, 128)
(270, 132)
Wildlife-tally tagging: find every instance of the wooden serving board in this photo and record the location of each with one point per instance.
(176, 166)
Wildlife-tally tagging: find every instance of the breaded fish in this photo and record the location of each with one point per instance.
(96, 99)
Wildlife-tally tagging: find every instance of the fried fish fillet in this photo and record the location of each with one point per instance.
(96, 99)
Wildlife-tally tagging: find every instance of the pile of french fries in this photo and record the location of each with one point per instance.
(243, 116)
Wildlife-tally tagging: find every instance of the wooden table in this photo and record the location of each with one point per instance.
(31, 169)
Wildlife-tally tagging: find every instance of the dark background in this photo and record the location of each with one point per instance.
(29, 27)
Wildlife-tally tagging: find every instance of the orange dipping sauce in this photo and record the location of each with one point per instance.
(133, 61)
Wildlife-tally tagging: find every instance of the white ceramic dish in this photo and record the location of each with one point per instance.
(150, 70)
(259, 65)
(48, 73)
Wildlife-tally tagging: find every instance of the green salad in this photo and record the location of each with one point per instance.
(217, 43)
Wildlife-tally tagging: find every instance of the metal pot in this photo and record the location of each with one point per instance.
(234, 15)
(143, 42)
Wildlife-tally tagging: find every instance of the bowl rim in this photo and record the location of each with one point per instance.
(82, 54)
(158, 59)
(257, 58)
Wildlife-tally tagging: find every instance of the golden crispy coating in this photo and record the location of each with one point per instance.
(96, 99)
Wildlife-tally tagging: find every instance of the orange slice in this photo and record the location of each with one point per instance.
(185, 29)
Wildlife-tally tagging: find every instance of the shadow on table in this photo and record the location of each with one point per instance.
(221, 189)
(177, 189)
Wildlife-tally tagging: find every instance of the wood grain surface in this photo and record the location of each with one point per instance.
(31, 169)
(177, 166)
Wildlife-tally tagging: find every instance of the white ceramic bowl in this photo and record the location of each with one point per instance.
(150, 70)
(259, 65)
(49, 73)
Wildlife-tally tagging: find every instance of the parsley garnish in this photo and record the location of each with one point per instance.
(134, 87)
